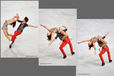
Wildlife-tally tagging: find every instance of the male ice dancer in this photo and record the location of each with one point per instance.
(20, 29)
(61, 33)
(103, 44)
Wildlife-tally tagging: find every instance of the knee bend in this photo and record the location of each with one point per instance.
(60, 47)
(13, 36)
(100, 54)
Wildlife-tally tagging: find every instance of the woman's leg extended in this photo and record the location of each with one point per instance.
(6, 35)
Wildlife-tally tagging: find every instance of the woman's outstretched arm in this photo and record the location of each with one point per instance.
(83, 41)
(45, 27)
(15, 18)
(106, 34)
(64, 27)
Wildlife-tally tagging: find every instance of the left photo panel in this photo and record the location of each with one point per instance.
(19, 28)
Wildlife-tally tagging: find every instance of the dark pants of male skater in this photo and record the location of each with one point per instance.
(67, 41)
(106, 49)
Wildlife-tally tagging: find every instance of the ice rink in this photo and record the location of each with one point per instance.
(89, 64)
(51, 55)
(26, 44)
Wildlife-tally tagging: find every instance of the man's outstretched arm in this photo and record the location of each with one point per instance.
(32, 26)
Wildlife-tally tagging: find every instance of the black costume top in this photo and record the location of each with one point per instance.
(21, 26)
(100, 43)
(60, 35)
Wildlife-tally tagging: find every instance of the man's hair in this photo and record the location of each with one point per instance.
(26, 19)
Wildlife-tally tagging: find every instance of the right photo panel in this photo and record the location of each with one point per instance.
(95, 40)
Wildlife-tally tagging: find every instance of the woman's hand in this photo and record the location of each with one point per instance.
(51, 42)
(17, 16)
(94, 48)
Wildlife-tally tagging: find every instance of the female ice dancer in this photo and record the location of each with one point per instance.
(11, 22)
(20, 29)
(51, 32)
(102, 43)
(61, 33)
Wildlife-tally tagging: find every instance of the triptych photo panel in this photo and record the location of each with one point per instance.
(57, 37)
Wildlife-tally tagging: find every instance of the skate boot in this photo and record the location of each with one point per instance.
(10, 46)
(64, 57)
(110, 61)
(103, 64)
(73, 53)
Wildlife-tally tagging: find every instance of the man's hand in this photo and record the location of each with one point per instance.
(35, 26)
(78, 42)
(41, 25)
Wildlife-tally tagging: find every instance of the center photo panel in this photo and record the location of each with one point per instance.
(57, 37)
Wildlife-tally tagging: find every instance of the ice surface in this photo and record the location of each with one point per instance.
(88, 63)
(26, 44)
(51, 55)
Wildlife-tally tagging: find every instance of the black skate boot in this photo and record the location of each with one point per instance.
(110, 61)
(64, 57)
(103, 64)
(10, 46)
(73, 53)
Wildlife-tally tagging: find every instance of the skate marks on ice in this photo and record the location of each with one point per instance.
(15, 51)
(19, 50)
(12, 52)
(88, 62)
(92, 67)
(53, 56)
